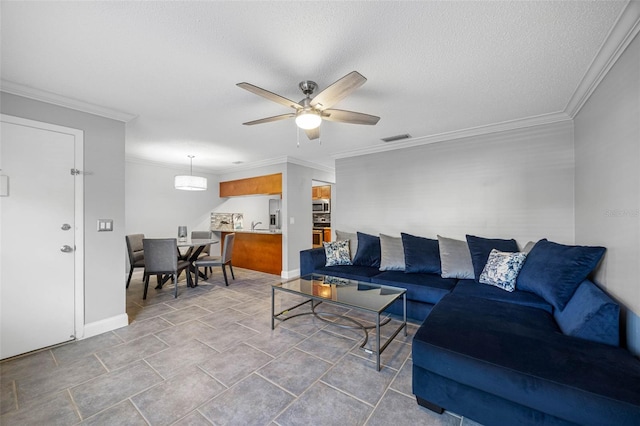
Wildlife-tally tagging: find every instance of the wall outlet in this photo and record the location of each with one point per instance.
(105, 225)
(292, 220)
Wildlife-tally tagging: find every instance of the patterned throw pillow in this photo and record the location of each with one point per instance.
(502, 269)
(337, 253)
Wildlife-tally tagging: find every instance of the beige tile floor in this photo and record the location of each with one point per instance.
(210, 357)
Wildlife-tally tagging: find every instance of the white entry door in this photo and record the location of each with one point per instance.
(38, 235)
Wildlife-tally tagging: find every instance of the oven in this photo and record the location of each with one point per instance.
(318, 237)
(321, 228)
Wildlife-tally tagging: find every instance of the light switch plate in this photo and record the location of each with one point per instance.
(105, 225)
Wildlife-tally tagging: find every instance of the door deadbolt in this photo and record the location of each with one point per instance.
(66, 227)
(66, 249)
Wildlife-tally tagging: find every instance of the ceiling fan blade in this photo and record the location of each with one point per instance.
(270, 119)
(313, 133)
(269, 95)
(338, 90)
(343, 116)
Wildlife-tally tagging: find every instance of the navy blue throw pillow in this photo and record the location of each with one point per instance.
(480, 249)
(421, 255)
(554, 271)
(369, 252)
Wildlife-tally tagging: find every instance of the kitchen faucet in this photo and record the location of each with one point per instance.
(253, 225)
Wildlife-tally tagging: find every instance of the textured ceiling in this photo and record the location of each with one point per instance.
(432, 67)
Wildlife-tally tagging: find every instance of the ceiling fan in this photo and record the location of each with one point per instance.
(312, 110)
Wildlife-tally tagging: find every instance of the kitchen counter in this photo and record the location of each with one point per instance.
(259, 250)
(257, 231)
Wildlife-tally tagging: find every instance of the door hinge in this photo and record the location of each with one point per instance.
(75, 172)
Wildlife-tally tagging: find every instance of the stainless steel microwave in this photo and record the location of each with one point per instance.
(321, 206)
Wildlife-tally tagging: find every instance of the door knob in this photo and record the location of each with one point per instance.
(66, 249)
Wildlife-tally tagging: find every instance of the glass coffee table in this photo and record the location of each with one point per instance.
(362, 296)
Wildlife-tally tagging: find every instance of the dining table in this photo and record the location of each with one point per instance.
(189, 249)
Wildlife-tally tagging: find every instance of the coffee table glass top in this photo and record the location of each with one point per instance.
(352, 293)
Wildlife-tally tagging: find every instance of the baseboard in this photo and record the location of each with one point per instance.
(294, 273)
(102, 326)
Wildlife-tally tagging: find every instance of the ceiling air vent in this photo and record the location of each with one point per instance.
(396, 138)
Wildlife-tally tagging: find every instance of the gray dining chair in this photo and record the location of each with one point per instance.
(223, 261)
(136, 253)
(202, 235)
(160, 259)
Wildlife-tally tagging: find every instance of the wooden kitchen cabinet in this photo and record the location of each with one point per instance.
(327, 235)
(259, 185)
(315, 192)
(321, 192)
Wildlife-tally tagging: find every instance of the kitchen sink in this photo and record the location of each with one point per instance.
(265, 230)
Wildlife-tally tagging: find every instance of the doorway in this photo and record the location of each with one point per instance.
(41, 235)
(321, 201)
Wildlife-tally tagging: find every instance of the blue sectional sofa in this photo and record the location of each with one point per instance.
(535, 355)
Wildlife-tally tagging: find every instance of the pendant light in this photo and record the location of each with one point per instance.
(190, 182)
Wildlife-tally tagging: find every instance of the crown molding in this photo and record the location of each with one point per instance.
(620, 36)
(253, 165)
(275, 161)
(167, 165)
(237, 168)
(311, 165)
(53, 98)
(524, 123)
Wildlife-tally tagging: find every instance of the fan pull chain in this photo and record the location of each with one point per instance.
(298, 135)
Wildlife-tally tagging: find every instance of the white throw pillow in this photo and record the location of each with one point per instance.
(455, 259)
(353, 241)
(392, 253)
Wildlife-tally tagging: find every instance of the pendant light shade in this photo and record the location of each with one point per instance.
(190, 182)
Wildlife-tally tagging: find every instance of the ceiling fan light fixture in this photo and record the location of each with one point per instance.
(190, 182)
(311, 111)
(308, 119)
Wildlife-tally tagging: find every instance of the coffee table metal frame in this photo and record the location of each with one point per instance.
(317, 300)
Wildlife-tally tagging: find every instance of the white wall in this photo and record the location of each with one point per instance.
(516, 184)
(155, 208)
(607, 141)
(104, 141)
